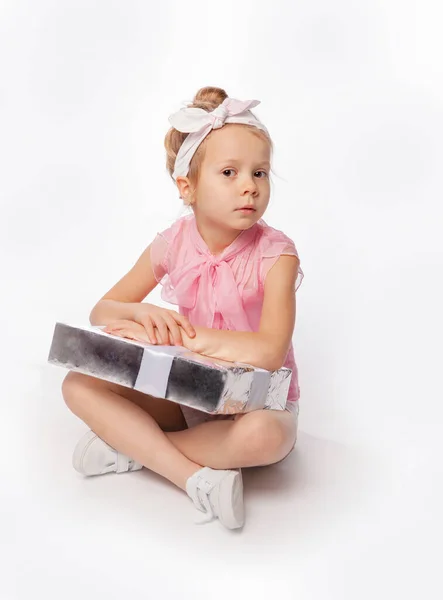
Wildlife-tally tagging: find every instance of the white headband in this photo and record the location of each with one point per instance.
(199, 123)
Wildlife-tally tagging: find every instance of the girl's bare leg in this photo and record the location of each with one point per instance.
(153, 431)
(254, 439)
(127, 427)
(260, 438)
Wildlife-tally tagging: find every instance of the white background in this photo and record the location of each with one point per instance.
(352, 93)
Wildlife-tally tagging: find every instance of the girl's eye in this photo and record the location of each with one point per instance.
(262, 172)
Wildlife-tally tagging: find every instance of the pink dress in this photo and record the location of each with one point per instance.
(224, 291)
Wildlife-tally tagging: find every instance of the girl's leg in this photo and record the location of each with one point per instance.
(259, 438)
(127, 427)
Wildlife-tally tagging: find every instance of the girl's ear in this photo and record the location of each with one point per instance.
(184, 187)
(185, 190)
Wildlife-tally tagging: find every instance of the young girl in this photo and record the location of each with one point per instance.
(234, 280)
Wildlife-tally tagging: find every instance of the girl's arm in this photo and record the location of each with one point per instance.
(268, 347)
(125, 296)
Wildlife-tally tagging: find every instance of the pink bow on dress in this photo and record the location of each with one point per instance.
(207, 285)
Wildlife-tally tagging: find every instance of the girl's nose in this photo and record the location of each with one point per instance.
(249, 186)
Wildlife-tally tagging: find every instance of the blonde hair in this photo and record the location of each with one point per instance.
(207, 98)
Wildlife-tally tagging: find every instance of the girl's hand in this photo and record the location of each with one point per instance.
(168, 324)
(127, 329)
(194, 344)
(133, 331)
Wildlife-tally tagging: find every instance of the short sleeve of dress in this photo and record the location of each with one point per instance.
(161, 248)
(276, 243)
(159, 251)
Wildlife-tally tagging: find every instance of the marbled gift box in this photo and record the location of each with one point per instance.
(172, 372)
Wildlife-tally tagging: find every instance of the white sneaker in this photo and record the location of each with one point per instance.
(93, 456)
(218, 493)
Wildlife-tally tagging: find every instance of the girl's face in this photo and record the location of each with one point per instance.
(234, 173)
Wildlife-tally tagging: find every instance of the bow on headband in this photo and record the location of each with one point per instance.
(199, 123)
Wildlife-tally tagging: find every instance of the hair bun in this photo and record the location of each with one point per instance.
(209, 98)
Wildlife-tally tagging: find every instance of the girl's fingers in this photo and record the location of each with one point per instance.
(133, 331)
(142, 335)
(118, 332)
(118, 324)
(185, 323)
(149, 327)
(162, 328)
(134, 335)
(124, 333)
(174, 331)
(154, 329)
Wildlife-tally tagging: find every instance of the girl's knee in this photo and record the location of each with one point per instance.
(69, 382)
(73, 384)
(264, 438)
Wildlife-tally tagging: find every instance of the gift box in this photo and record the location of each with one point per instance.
(172, 372)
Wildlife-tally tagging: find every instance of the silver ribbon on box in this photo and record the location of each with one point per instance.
(171, 372)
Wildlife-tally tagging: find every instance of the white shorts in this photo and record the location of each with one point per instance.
(194, 417)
